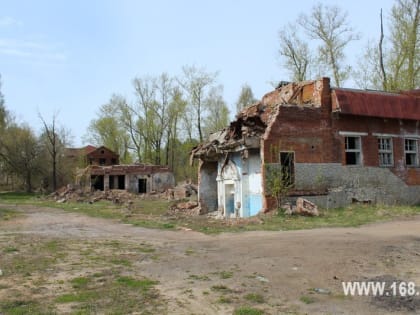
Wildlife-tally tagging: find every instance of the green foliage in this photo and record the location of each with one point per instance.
(246, 98)
(277, 181)
(400, 51)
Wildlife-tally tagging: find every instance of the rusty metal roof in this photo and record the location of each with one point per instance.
(377, 104)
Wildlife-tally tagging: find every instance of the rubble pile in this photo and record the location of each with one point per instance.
(182, 191)
(189, 208)
(303, 207)
(69, 193)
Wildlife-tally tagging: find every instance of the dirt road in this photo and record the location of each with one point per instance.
(295, 272)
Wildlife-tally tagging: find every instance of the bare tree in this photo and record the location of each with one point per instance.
(196, 82)
(329, 25)
(52, 145)
(295, 52)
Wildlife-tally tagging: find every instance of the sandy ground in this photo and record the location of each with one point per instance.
(283, 266)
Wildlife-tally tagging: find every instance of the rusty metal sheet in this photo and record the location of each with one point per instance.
(377, 104)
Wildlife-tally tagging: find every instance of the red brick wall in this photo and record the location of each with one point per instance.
(312, 133)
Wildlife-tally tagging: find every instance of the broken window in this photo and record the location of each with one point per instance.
(102, 161)
(410, 152)
(353, 152)
(287, 161)
(385, 152)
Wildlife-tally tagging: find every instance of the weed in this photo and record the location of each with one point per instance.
(201, 278)
(226, 274)
(255, 298)
(221, 288)
(224, 300)
(307, 299)
(189, 251)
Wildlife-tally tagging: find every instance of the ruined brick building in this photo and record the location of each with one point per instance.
(338, 146)
(102, 169)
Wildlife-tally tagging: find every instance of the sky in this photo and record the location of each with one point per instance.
(68, 57)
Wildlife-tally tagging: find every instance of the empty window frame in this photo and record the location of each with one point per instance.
(287, 162)
(386, 156)
(411, 152)
(353, 151)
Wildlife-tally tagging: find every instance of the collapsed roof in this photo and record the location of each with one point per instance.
(250, 124)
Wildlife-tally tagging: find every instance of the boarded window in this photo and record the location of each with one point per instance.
(353, 151)
(411, 152)
(386, 157)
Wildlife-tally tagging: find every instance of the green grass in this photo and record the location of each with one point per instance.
(17, 197)
(151, 214)
(79, 297)
(245, 310)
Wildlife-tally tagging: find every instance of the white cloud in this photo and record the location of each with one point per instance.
(7, 21)
(32, 51)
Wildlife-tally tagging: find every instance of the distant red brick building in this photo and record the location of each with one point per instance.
(337, 145)
(104, 171)
(90, 155)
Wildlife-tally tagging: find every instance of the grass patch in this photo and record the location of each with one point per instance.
(254, 298)
(7, 214)
(10, 249)
(80, 282)
(18, 197)
(21, 307)
(201, 278)
(221, 288)
(307, 299)
(121, 262)
(245, 310)
(79, 297)
(224, 300)
(226, 274)
(144, 284)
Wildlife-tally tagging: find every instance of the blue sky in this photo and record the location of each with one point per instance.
(71, 56)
